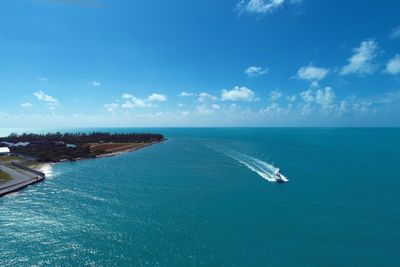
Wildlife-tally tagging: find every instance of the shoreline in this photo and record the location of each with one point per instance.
(22, 179)
(106, 155)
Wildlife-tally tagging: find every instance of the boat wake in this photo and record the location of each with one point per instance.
(262, 168)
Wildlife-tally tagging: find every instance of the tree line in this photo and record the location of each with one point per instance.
(79, 138)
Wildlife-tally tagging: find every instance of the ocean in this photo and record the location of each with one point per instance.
(207, 197)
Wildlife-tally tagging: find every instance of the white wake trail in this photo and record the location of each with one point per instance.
(262, 168)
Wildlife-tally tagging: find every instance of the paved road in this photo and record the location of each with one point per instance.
(20, 179)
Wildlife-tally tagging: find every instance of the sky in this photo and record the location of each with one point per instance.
(174, 63)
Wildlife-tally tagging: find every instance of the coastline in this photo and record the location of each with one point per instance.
(113, 154)
(21, 178)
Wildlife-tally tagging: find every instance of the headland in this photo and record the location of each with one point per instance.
(22, 155)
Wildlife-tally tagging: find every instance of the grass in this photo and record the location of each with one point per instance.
(4, 176)
(8, 158)
(117, 147)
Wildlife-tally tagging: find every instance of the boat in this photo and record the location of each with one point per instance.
(279, 178)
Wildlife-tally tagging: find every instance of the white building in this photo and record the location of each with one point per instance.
(21, 144)
(4, 151)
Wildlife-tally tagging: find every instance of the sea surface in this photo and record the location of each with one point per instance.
(207, 197)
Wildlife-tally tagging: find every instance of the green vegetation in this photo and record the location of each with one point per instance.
(8, 158)
(55, 154)
(4, 176)
(52, 147)
(81, 138)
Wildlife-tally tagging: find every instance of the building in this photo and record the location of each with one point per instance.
(4, 151)
(6, 144)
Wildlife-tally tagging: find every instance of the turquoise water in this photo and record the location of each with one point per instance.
(189, 202)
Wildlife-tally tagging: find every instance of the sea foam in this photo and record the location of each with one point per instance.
(262, 168)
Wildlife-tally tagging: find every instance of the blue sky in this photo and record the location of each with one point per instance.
(75, 63)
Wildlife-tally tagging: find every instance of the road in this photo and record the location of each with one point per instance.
(20, 179)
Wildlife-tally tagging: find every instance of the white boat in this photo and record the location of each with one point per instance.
(279, 178)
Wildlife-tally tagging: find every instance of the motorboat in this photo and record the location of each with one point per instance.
(279, 178)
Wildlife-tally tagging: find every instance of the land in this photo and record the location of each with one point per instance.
(70, 147)
(4, 176)
(30, 151)
(17, 178)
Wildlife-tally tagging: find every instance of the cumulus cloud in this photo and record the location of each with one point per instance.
(186, 94)
(325, 97)
(273, 110)
(94, 83)
(111, 107)
(157, 97)
(51, 101)
(307, 96)
(26, 105)
(254, 71)
(275, 95)
(291, 98)
(203, 110)
(312, 73)
(395, 34)
(204, 97)
(393, 66)
(127, 96)
(134, 102)
(237, 94)
(131, 102)
(259, 7)
(361, 62)
(216, 106)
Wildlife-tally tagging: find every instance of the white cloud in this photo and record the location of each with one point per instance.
(315, 84)
(361, 62)
(157, 97)
(395, 34)
(325, 97)
(51, 101)
(237, 94)
(216, 106)
(355, 106)
(111, 107)
(312, 73)
(94, 83)
(203, 97)
(259, 7)
(393, 66)
(203, 110)
(291, 98)
(307, 96)
(127, 96)
(26, 105)
(186, 94)
(254, 71)
(132, 101)
(272, 111)
(275, 95)
(135, 102)
(42, 79)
